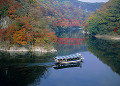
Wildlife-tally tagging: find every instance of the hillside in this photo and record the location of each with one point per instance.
(33, 22)
(106, 20)
(91, 7)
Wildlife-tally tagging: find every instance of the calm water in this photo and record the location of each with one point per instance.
(101, 66)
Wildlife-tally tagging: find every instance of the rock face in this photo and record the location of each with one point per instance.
(108, 37)
(41, 49)
(32, 49)
(36, 48)
(18, 49)
(5, 21)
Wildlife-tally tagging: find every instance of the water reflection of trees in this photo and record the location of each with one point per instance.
(25, 57)
(69, 49)
(21, 76)
(73, 32)
(107, 51)
(23, 69)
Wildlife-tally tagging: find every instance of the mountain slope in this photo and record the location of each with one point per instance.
(105, 20)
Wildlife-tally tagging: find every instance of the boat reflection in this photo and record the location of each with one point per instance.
(69, 65)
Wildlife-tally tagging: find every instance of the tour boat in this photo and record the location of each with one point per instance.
(73, 58)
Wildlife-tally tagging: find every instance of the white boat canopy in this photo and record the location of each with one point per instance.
(69, 56)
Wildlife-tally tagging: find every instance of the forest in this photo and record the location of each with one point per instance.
(32, 22)
(23, 24)
(106, 20)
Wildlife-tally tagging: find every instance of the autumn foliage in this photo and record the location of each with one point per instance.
(22, 29)
(22, 32)
(45, 36)
(11, 11)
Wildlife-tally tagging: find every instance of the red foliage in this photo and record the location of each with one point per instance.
(108, 29)
(11, 11)
(5, 3)
(26, 20)
(9, 32)
(2, 34)
(116, 29)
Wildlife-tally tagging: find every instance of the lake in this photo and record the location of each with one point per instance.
(100, 67)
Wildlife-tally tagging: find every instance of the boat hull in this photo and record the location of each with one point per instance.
(68, 62)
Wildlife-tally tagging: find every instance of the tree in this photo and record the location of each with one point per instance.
(108, 16)
(11, 11)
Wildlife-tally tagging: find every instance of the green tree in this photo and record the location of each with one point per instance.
(107, 17)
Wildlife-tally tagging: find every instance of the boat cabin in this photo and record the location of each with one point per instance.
(69, 58)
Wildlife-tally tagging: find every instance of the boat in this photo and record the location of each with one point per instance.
(72, 58)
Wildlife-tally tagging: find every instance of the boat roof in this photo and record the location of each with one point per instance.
(68, 56)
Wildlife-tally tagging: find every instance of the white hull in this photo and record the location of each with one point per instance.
(67, 62)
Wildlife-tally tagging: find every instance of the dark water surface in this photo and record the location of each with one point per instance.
(100, 67)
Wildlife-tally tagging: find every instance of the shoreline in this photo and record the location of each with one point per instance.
(108, 37)
(23, 49)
